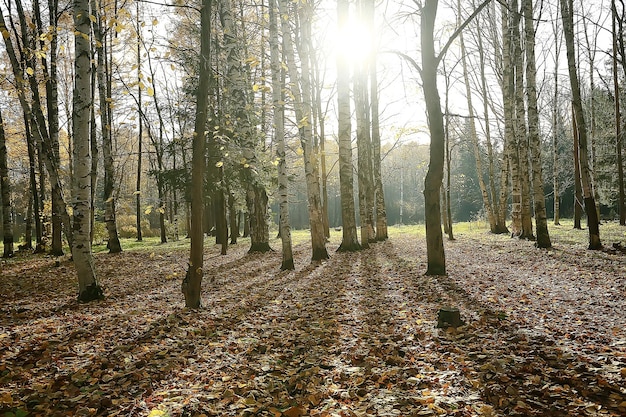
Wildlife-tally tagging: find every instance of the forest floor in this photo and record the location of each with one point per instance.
(355, 335)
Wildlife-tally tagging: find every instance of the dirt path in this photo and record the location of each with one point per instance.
(351, 336)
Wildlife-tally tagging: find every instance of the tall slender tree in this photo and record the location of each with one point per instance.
(434, 176)
(192, 283)
(618, 47)
(593, 224)
(5, 196)
(349, 240)
(301, 93)
(88, 287)
(541, 220)
(105, 101)
(279, 137)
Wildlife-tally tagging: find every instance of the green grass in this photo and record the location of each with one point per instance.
(610, 232)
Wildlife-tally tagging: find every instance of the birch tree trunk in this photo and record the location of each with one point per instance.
(302, 106)
(102, 68)
(520, 126)
(474, 136)
(541, 218)
(510, 139)
(138, 210)
(381, 211)
(279, 138)
(593, 223)
(88, 288)
(5, 195)
(346, 179)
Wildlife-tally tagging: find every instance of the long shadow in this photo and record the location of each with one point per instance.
(520, 372)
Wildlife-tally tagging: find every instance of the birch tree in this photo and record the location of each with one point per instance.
(278, 104)
(541, 221)
(301, 91)
(349, 240)
(88, 287)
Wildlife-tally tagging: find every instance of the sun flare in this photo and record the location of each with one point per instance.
(354, 42)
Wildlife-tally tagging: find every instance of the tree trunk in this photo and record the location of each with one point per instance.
(5, 196)
(302, 107)
(499, 212)
(279, 137)
(52, 104)
(555, 132)
(578, 192)
(364, 158)
(510, 139)
(487, 205)
(81, 252)
(541, 219)
(32, 170)
(593, 223)
(520, 127)
(232, 219)
(434, 176)
(618, 132)
(349, 240)
(113, 244)
(192, 283)
(237, 103)
(138, 211)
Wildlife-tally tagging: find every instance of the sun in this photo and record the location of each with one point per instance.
(354, 43)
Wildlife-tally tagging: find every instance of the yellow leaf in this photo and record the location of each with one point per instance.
(30, 71)
(156, 413)
(92, 18)
(148, 210)
(155, 21)
(150, 91)
(219, 164)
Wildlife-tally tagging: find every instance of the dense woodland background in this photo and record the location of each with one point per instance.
(306, 115)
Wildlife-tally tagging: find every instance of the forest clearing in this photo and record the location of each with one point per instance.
(355, 335)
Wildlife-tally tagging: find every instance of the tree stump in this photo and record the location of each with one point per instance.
(449, 317)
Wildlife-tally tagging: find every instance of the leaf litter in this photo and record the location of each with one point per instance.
(351, 336)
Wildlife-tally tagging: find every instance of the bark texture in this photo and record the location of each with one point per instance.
(88, 287)
(541, 219)
(5, 196)
(434, 176)
(279, 138)
(192, 283)
(349, 240)
(593, 223)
